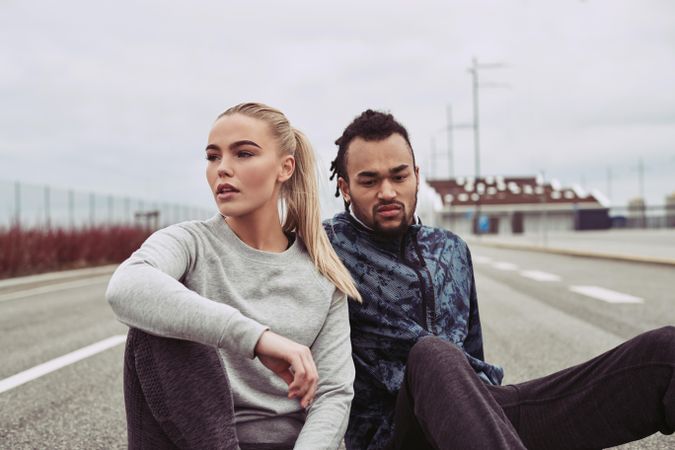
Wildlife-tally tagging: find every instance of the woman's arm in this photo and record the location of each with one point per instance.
(144, 292)
(328, 416)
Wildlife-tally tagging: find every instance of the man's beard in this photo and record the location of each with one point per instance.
(402, 226)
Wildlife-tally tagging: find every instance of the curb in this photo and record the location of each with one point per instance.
(580, 253)
(60, 275)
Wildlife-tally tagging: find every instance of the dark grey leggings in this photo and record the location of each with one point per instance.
(177, 396)
(623, 395)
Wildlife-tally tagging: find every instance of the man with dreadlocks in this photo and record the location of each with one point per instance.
(421, 378)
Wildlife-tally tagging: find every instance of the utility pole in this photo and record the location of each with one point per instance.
(542, 198)
(449, 129)
(476, 135)
(473, 70)
(432, 172)
(641, 179)
(451, 162)
(641, 190)
(609, 183)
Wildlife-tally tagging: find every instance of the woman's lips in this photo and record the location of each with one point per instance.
(225, 191)
(227, 195)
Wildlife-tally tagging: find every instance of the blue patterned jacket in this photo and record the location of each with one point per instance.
(421, 284)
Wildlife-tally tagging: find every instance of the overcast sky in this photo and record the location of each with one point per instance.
(118, 96)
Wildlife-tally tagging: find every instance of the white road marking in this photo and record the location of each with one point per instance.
(53, 288)
(540, 276)
(504, 266)
(57, 363)
(606, 295)
(481, 259)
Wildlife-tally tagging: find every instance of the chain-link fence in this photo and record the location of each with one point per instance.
(33, 206)
(44, 228)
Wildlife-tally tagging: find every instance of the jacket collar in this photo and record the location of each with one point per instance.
(385, 242)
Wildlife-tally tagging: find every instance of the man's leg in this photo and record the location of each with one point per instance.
(176, 394)
(444, 405)
(623, 395)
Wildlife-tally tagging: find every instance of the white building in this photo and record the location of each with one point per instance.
(498, 204)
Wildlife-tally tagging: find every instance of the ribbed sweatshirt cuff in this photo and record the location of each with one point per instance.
(241, 334)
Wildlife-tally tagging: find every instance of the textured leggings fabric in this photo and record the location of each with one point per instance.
(623, 395)
(176, 395)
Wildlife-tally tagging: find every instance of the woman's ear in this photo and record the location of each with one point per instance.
(287, 168)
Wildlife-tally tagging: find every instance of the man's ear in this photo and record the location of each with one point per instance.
(287, 168)
(344, 189)
(417, 177)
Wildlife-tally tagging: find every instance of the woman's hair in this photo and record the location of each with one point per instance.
(300, 195)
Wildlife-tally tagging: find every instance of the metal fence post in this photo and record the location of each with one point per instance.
(92, 206)
(17, 203)
(48, 214)
(71, 208)
(127, 210)
(110, 210)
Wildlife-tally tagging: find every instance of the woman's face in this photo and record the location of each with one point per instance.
(244, 166)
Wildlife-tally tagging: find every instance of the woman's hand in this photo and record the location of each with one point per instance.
(290, 361)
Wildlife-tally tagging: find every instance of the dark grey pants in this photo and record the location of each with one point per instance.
(623, 395)
(177, 396)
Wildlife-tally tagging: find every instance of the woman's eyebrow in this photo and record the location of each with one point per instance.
(243, 142)
(233, 145)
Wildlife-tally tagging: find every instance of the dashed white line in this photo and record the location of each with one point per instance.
(504, 266)
(606, 295)
(53, 288)
(540, 276)
(57, 363)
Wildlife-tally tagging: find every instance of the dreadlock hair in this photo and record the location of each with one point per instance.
(369, 126)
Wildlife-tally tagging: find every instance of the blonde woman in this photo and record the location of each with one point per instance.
(239, 333)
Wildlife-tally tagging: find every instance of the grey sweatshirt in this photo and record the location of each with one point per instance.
(198, 281)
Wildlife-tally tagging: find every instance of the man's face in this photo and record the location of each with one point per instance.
(382, 186)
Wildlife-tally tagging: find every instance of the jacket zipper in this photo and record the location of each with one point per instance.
(428, 304)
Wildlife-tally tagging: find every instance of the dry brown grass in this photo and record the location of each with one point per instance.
(32, 251)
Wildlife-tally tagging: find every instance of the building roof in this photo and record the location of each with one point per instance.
(511, 191)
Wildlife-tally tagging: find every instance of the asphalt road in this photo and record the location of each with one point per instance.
(534, 324)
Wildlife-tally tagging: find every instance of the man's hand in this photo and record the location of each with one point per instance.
(290, 361)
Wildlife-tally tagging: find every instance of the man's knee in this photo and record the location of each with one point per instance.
(435, 362)
(667, 333)
(658, 344)
(431, 349)
(664, 339)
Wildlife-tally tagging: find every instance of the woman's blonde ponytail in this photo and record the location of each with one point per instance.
(300, 195)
